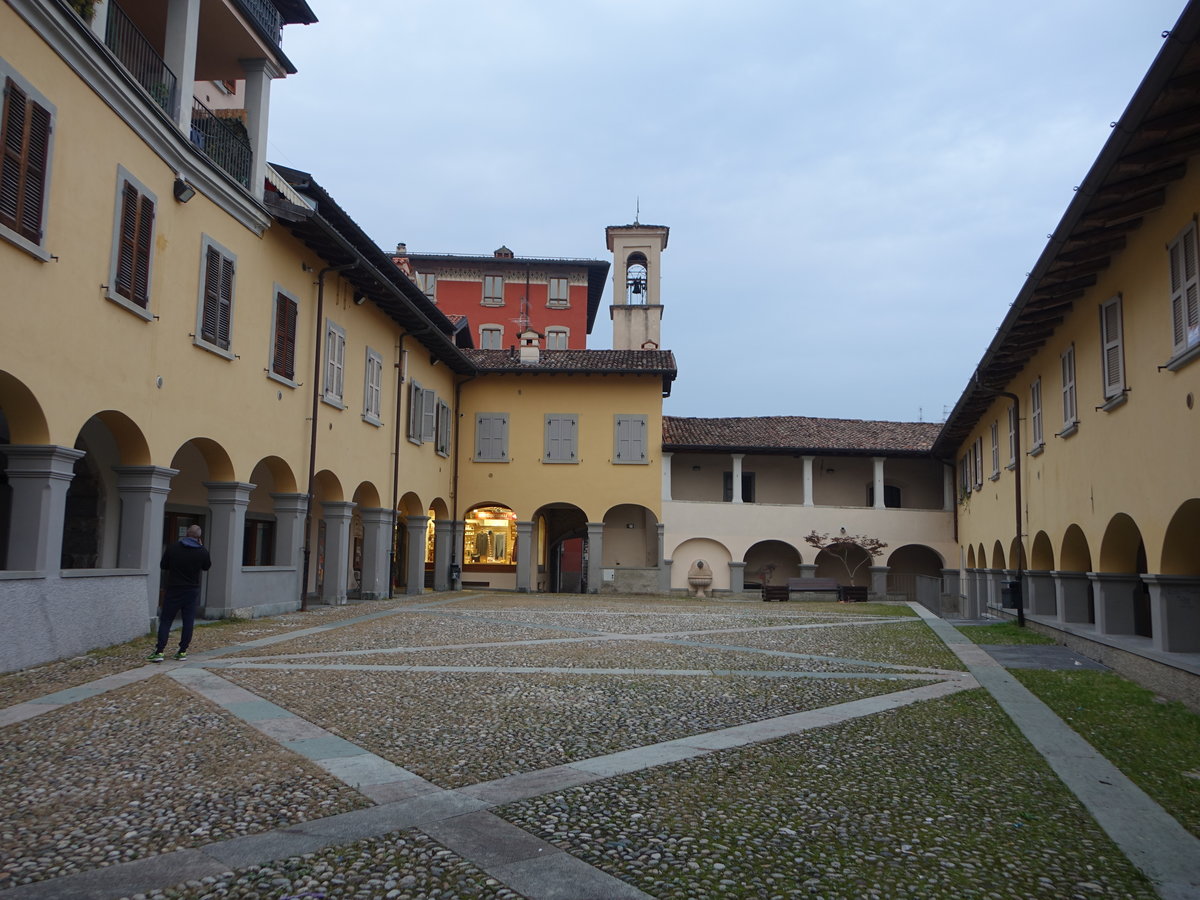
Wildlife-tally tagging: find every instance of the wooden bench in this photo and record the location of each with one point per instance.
(775, 592)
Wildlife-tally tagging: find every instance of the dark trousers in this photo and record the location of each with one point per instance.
(177, 601)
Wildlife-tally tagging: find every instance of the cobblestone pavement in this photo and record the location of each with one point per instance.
(540, 746)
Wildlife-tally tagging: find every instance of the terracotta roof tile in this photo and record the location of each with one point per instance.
(798, 433)
(660, 362)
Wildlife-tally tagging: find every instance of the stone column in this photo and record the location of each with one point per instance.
(808, 481)
(290, 510)
(458, 536)
(737, 476)
(143, 491)
(1071, 597)
(595, 538)
(661, 561)
(1040, 594)
(182, 36)
(879, 576)
(952, 582)
(524, 556)
(971, 605)
(338, 516)
(227, 502)
(994, 577)
(664, 576)
(1114, 601)
(259, 73)
(737, 577)
(666, 476)
(377, 541)
(38, 477)
(443, 536)
(878, 461)
(415, 531)
(1175, 612)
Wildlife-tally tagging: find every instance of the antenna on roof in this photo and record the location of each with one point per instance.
(920, 414)
(637, 212)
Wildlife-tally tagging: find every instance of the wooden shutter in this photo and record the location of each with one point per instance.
(210, 314)
(134, 245)
(491, 436)
(1068, 386)
(631, 439)
(1185, 291)
(26, 145)
(561, 433)
(283, 362)
(428, 415)
(1113, 358)
(414, 412)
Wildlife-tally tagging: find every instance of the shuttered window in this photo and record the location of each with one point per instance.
(373, 387)
(25, 127)
(978, 462)
(1035, 415)
(1012, 436)
(556, 338)
(135, 242)
(493, 290)
(1185, 291)
(443, 429)
(995, 450)
(283, 352)
(216, 303)
(630, 440)
(491, 437)
(558, 292)
(335, 363)
(415, 407)
(428, 415)
(1070, 408)
(490, 337)
(1112, 355)
(562, 438)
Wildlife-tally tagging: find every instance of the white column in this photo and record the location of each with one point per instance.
(377, 540)
(947, 488)
(227, 502)
(38, 478)
(443, 535)
(99, 23)
(337, 515)
(524, 555)
(183, 34)
(666, 475)
(808, 482)
(416, 528)
(259, 73)
(595, 537)
(143, 491)
(737, 476)
(878, 460)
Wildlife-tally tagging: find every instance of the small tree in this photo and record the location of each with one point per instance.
(842, 547)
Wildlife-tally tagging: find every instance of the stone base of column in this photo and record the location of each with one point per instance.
(1071, 597)
(1175, 612)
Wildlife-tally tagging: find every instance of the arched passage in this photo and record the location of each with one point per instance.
(847, 563)
(716, 557)
(1041, 558)
(771, 562)
(998, 555)
(1181, 541)
(1122, 597)
(561, 553)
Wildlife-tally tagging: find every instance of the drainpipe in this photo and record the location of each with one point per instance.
(400, 381)
(312, 439)
(455, 543)
(1020, 561)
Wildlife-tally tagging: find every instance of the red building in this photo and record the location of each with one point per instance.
(501, 294)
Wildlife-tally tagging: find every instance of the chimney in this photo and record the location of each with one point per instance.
(503, 253)
(530, 347)
(402, 249)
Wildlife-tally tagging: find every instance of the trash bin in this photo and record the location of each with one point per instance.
(1010, 594)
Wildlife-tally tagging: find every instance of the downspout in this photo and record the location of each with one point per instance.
(312, 439)
(1020, 562)
(400, 381)
(455, 544)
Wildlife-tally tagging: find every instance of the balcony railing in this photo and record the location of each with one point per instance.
(264, 14)
(221, 142)
(139, 58)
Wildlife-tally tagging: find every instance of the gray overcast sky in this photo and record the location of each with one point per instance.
(855, 189)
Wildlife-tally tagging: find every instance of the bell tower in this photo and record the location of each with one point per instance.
(636, 309)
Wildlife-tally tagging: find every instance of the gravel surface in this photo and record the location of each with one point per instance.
(940, 800)
(456, 729)
(657, 622)
(140, 771)
(404, 865)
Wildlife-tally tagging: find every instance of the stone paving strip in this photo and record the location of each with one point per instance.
(1152, 839)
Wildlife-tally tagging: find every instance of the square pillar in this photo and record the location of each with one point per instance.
(179, 53)
(1040, 595)
(947, 488)
(808, 481)
(227, 502)
(952, 582)
(377, 541)
(664, 576)
(1071, 597)
(737, 476)
(290, 510)
(737, 577)
(524, 556)
(666, 475)
(143, 491)
(415, 530)
(1175, 612)
(878, 461)
(1114, 601)
(338, 515)
(972, 605)
(38, 477)
(457, 538)
(994, 577)
(259, 73)
(443, 536)
(879, 576)
(595, 549)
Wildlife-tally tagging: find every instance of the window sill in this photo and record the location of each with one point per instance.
(560, 462)
(129, 306)
(372, 420)
(1012, 465)
(23, 243)
(282, 379)
(479, 459)
(1068, 430)
(1181, 359)
(1113, 402)
(631, 462)
(553, 305)
(415, 440)
(995, 476)
(492, 303)
(330, 400)
(445, 453)
(1038, 450)
(213, 348)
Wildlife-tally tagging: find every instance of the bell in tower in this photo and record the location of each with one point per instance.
(637, 307)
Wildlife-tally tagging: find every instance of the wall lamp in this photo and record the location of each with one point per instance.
(359, 298)
(183, 191)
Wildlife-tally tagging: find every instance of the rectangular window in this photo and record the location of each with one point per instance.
(283, 348)
(995, 450)
(373, 387)
(444, 422)
(491, 437)
(493, 290)
(558, 292)
(630, 435)
(26, 123)
(1012, 436)
(335, 363)
(428, 284)
(1113, 355)
(562, 438)
(428, 416)
(964, 475)
(1070, 410)
(258, 543)
(978, 462)
(556, 339)
(490, 338)
(1035, 416)
(747, 487)
(1185, 291)
(415, 408)
(135, 244)
(216, 295)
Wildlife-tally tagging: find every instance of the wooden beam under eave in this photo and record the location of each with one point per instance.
(1120, 190)
(1187, 117)
(1059, 288)
(1069, 272)
(1097, 247)
(1130, 209)
(1162, 153)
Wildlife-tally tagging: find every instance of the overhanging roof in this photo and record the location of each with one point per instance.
(580, 362)
(798, 434)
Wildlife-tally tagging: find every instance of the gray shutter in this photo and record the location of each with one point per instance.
(428, 415)
(414, 412)
(1113, 357)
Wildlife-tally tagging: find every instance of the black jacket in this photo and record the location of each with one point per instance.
(184, 561)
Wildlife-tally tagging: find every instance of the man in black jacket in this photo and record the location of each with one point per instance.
(183, 562)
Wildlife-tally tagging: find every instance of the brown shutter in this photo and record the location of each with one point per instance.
(15, 108)
(26, 143)
(144, 243)
(37, 152)
(226, 310)
(210, 315)
(127, 241)
(284, 363)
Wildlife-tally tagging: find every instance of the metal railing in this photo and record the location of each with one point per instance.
(221, 142)
(140, 59)
(265, 15)
(924, 589)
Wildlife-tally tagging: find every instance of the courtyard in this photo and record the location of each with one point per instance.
(500, 745)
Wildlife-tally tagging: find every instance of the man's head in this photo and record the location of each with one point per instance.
(194, 531)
